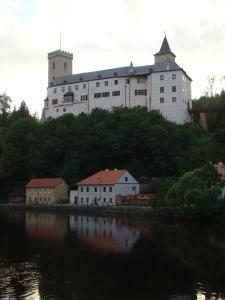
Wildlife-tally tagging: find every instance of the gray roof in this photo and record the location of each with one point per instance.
(116, 72)
(165, 48)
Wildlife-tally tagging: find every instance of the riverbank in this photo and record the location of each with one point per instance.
(114, 210)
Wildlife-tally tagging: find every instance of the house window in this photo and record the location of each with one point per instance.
(84, 86)
(141, 80)
(126, 179)
(106, 83)
(87, 189)
(161, 89)
(161, 77)
(110, 189)
(116, 93)
(110, 200)
(97, 95)
(87, 200)
(54, 101)
(104, 200)
(96, 188)
(97, 84)
(116, 82)
(81, 189)
(81, 199)
(174, 88)
(127, 81)
(76, 87)
(83, 97)
(105, 94)
(174, 76)
(174, 99)
(134, 188)
(55, 90)
(63, 88)
(140, 92)
(104, 189)
(161, 100)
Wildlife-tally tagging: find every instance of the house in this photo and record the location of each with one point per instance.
(17, 195)
(162, 86)
(46, 190)
(103, 188)
(221, 171)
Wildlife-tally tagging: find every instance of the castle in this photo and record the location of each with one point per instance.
(163, 86)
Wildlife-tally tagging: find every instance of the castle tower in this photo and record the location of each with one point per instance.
(59, 64)
(164, 54)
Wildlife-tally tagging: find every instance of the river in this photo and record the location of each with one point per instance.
(62, 256)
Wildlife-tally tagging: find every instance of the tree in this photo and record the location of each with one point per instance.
(5, 106)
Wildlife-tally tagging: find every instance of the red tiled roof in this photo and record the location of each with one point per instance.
(221, 171)
(103, 177)
(43, 182)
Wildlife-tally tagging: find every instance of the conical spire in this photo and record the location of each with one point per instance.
(165, 48)
(165, 54)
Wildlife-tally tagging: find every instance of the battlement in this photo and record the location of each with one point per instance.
(60, 53)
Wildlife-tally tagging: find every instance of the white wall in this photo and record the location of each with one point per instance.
(73, 194)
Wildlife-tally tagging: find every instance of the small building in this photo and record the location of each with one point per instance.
(103, 188)
(221, 171)
(17, 195)
(46, 191)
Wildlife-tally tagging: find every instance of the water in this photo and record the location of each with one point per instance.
(53, 256)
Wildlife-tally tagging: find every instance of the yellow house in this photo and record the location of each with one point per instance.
(46, 190)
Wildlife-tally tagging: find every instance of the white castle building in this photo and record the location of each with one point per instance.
(163, 86)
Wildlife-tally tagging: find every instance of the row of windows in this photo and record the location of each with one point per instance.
(96, 189)
(69, 99)
(174, 99)
(162, 89)
(174, 76)
(97, 84)
(106, 94)
(82, 200)
(43, 190)
(44, 199)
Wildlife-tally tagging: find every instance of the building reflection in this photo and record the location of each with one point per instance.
(183, 297)
(45, 226)
(105, 234)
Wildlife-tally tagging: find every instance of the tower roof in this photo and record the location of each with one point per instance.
(165, 47)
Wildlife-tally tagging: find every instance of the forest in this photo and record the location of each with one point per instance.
(74, 147)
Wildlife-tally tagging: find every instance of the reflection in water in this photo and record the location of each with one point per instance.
(45, 226)
(106, 234)
(53, 256)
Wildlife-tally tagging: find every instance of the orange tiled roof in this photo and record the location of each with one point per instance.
(103, 177)
(43, 182)
(221, 171)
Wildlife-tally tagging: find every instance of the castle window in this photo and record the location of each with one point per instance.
(65, 66)
(83, 97)
(127, 81)
(174, 88)
(174, 99)
(105, 94)
(55, 90)
(53, 65)
(115, 74)
(104, 189)
(116, 93)
(84, 86)
(87, 189)
(54, 101)
(140, 92)
(69, 88)
(63, 89)
(97, 84)
(161, 100)
(161, 77)
(68, 97)
(141, 80)
(76, 87)
(106, 83)
(174, 76)
(116, 82)
(64, 109)
(110, 189)
(97, 95)
(57, 109)
(161, 89)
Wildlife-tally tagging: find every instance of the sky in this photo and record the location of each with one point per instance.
(105, 34)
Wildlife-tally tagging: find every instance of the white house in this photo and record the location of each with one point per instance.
(162, 86)
(103, 187)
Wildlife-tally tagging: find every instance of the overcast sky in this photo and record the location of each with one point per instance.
(105, 34)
